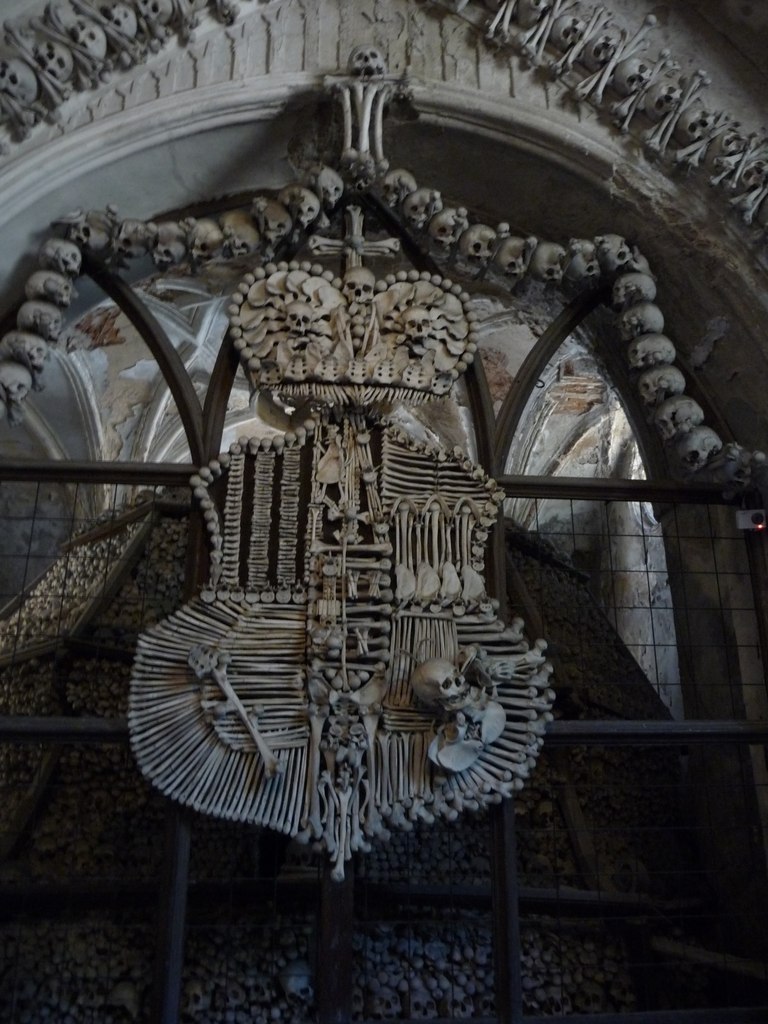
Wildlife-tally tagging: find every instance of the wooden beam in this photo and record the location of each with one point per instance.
(333, 984)
(169, 958)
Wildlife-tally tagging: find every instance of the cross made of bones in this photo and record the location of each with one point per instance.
(354, 246)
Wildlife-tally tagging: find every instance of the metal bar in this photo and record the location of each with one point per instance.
(727, 1015)
(172, 924)
(621, 732)
(172, 909)
(613, 490)
(334, 947)
(217, 395)
(506, 915)
(614, 732)
(115, 525)
(171, 366)
(55, 471)
(61, 729)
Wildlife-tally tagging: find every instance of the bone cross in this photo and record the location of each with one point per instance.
(354, 246)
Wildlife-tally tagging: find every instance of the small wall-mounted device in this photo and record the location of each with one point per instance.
(751, 519)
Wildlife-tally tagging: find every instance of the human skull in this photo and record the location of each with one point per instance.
(15, 381)
(438, 682)
(296, 981)
(420, 206)
(134, 238)
(122, 17)
(697, 447)
(547, 262)
(514, 254)
(693, 125)
(328, 184)
(641, 318)
(170, 243)
(677, 415)
(359, 285)
(195, 999)
(416, 326)
(650, 350)
(91, 230)
(460, 1004)
(367, 62)
(61, 255)
(17, 79)
(589, 997)
(631, 288)
(597, 53)
(384, 1004)
(299, 317)
(661, 98)
(729, 142)
(25, 347)
(631, 75)
(47, 284)
(54, 59)
(421, 1005)
(581, 260)
(204, 238)
(478, 243)
(396, 185)
(274, 220)
(155, 12)
(754, 173)
(89, 37)
(447, 225)
(530, 12)
(612, 252)
(659, 383)
(303, 205)
(566, 30)
(240, 234)
(41, 318)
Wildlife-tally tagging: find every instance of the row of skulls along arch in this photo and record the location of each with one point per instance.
(76, 45)
(474, 249)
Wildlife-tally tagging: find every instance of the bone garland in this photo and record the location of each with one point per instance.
(78, 48)
(591, 54)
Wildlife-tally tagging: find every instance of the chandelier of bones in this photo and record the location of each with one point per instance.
(344, 670)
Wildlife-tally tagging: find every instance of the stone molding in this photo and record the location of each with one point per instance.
(613, 75)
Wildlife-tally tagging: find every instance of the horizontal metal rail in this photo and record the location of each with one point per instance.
(585, 489)
(615, 732)
(175, 474)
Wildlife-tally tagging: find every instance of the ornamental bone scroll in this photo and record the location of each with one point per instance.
(344, 670)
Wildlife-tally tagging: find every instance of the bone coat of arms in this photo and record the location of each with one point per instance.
(344, 670)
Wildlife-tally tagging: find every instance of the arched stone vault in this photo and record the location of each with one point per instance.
(220, 114)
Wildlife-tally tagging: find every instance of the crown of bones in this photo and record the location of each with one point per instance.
(351, 340)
